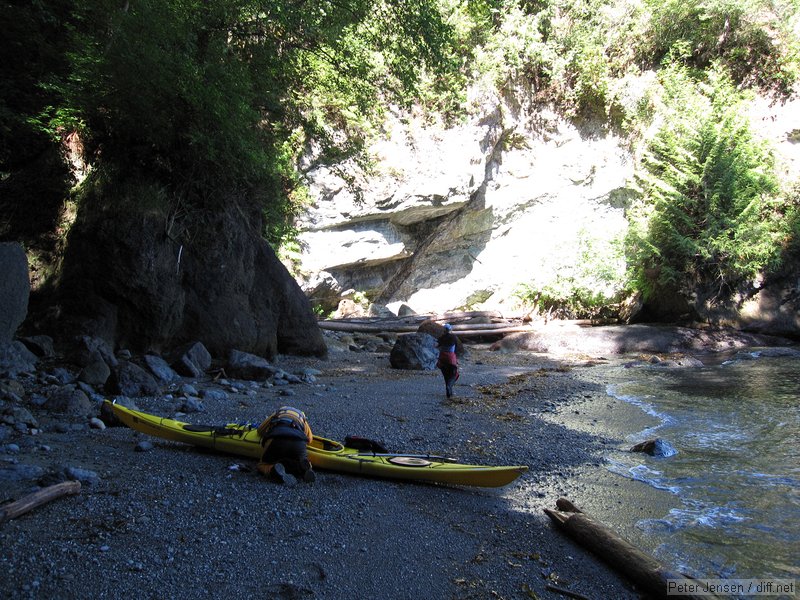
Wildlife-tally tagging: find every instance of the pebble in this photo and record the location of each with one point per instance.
(95, 423)
(143, 446)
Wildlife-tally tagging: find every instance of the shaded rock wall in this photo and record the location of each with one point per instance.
(130, 279)
(15, 289)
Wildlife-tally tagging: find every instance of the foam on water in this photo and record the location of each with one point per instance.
(696, 513)
(733, 429)
(640, 401)
(642, 473)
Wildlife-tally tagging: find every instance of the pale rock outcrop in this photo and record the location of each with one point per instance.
(460, 217)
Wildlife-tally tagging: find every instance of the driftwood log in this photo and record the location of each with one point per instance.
(464, 325)
(641, 568)
(466, 330)
(12, 510)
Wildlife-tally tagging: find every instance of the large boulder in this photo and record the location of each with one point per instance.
(15, 289)
(15, 358)
(414, 351)
(86, 350)
(243, 365)
(129, 379)
(160, 369)
(70, 401)
(191, 360)
(141, 278)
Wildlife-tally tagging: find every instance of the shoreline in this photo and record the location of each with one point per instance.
(604, 493)
(175, 518)
(719, 514)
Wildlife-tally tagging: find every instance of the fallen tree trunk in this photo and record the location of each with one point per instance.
(27, 503)
(641, 568)
(471, 314)
(367, 327)
(465, 330)
(500, 329)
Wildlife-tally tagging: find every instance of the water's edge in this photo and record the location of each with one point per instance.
(700, 536)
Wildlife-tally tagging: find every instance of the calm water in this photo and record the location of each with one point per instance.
(734, 429)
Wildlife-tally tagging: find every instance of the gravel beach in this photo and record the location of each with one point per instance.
(173, 521)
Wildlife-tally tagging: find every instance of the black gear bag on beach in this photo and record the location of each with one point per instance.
(365, 444)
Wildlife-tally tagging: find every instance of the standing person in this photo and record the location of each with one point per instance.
(284, 436)
(448, 361)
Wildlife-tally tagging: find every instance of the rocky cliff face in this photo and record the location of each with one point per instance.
(144, 280)
(459, 217)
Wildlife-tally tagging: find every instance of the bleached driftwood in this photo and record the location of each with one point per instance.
(638, 566)
(27, 503)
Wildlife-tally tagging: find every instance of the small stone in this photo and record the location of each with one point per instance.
(85, 476)
(189, 390)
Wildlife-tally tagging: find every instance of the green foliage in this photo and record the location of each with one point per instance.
(755, 40)
(588, 278)
(582, 55)
(709, 212)
(33, 179)
(223, 95)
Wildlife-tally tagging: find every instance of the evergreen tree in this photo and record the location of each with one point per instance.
(709, 214)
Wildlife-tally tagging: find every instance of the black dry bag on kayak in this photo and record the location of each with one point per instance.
(364, 444)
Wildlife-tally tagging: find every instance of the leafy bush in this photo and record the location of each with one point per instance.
(588, 278)
(223, 96)
(34, 180)
(579, 54)
(754, 39)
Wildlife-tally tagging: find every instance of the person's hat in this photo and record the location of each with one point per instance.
(448, 327)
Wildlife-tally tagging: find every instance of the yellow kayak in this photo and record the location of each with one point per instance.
(323, 453)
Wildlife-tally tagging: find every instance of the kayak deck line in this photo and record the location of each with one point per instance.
(432, 457)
